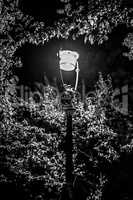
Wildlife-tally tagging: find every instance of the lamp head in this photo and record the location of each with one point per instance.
(68, 60)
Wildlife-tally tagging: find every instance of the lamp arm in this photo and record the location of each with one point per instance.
(77, 76)
(61, 78)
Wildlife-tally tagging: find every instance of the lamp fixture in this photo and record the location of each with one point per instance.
(68, 60)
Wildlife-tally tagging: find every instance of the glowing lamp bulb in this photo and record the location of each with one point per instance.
(68, 60)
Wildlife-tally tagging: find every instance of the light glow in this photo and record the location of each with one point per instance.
(68, 60)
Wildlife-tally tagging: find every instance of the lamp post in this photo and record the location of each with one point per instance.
(68, 61)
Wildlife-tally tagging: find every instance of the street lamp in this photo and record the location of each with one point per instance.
(68, 61)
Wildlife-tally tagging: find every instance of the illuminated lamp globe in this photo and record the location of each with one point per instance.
(68, 60)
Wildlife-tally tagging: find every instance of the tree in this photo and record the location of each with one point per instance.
(32, 149)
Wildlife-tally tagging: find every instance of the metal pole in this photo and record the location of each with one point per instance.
(69, 153)
(69, 148)
(67, 193)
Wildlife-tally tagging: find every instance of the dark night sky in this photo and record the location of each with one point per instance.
(106, 58)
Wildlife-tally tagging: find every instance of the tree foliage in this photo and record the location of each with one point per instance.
(32, 141)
